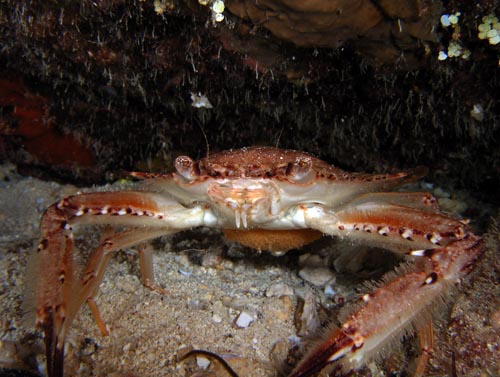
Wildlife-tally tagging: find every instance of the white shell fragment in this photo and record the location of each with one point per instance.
(244, 320)
(200, 100)
(454, 18)
(489, 29)
(445, 20)
(218, 6)
(450, 19)
(495, 40)
(477, 112)
(202, 362)
(216, 318)
(442, 55)
(185, 271)
(218, 17)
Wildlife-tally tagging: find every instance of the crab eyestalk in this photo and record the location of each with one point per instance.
(187, 168)
(300, 170)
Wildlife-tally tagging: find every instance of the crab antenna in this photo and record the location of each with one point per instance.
(206, 138)
(279, 137)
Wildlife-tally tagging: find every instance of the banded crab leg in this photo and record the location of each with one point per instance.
(61, 289)
(405, 300)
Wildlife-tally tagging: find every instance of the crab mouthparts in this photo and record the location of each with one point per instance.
(246, 203)
(240, 212)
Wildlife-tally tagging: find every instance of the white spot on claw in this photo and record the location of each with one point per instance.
(407, 233)
(358, 342)
(418, 253)
(339, 354)
(383, 231)
(435, 238)
(431, 278)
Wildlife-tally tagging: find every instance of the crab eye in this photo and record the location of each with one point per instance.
(300, 170)
(186, 167)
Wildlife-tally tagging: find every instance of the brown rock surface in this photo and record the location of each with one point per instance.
(382, 31)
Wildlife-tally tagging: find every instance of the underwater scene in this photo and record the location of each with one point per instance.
(250, 188)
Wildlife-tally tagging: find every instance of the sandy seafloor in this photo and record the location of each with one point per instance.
(210, 283)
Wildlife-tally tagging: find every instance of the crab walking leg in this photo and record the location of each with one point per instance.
(146, 268)
(426, 338)
(96, 267)
(406, 299)
(60, 292)
(85, 289)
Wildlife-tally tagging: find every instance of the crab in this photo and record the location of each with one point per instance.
(268, 199)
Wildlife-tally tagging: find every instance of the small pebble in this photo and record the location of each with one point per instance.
(427, 185)
(311, 260)
(445, 20)
(278, 308)
(124, 285)
(216, 318)
(452, 206)
(212, 260)
(318, 276)
(330, 291)
(495, 318)
(202, 362)
(244, 320)
(185, 271)
(279, 289)
(440, 193)
(126, 347)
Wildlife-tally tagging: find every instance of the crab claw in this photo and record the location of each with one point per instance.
(324, 354)
(401, 304)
